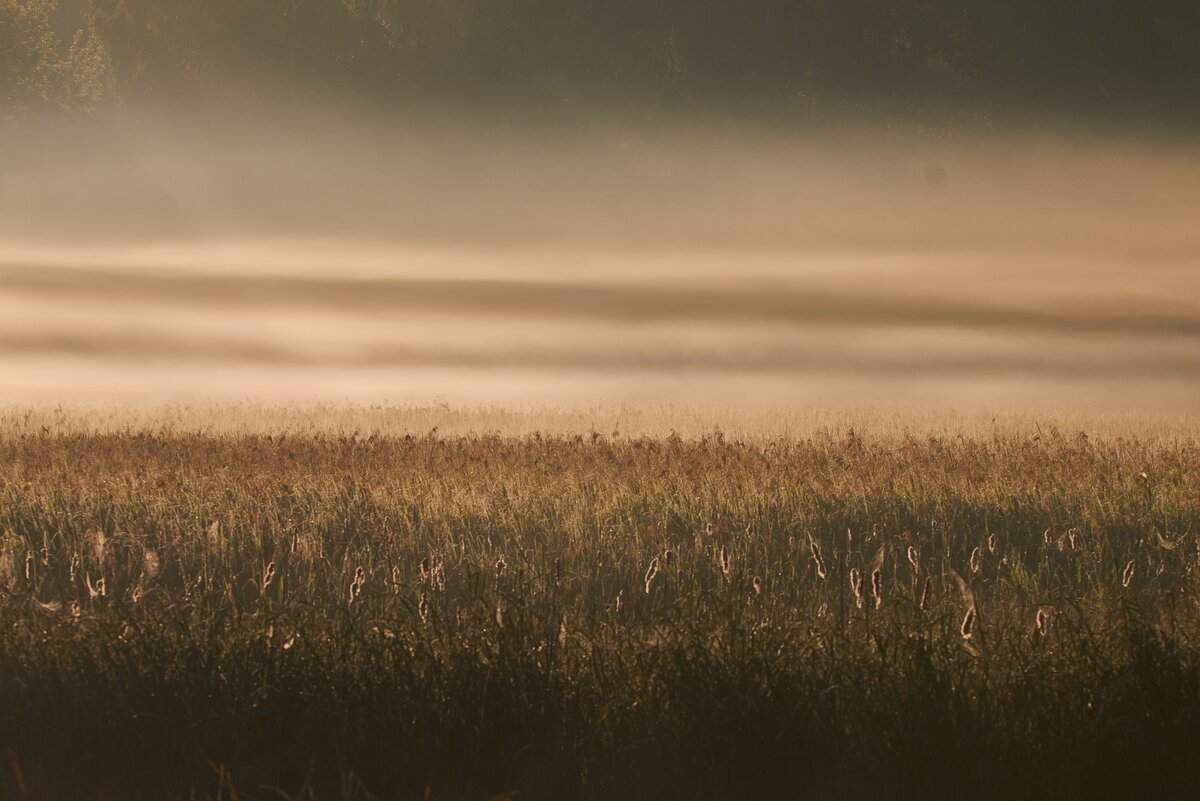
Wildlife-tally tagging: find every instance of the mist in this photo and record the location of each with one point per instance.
(376, 258)
(767, 203)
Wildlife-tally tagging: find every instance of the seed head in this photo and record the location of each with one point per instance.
(856, 584)
(816, 554)
(268, 576)
(651, 572)
(926, 593)
(1130, 571)
(968, 624)
(360, 578)
(914, 559)
(423, 609)
(1043, 621)
(976, 560)
(724, 560)
(877, 587)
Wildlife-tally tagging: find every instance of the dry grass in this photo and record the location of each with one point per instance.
(209, 607)
(757, 423)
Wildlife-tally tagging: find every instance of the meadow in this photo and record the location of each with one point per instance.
(268, 606)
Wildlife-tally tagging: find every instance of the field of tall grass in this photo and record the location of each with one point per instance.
(250, 610)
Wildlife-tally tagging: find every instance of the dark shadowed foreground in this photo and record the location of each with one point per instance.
(472, 617)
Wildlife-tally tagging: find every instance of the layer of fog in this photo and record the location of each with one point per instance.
(232, 257)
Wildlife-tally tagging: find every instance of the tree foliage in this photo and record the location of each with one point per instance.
(36, 70)
(900, 54)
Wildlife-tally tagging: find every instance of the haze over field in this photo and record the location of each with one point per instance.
(938, 203)
(347, 260)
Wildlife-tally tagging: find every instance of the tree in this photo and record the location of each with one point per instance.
(28, 55)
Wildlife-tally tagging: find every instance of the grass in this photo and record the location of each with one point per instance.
(223, 611)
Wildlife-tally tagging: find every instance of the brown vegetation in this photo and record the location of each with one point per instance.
(596, 616)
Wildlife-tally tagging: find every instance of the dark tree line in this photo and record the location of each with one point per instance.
(786, 54)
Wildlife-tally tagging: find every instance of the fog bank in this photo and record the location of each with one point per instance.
(146, 260)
